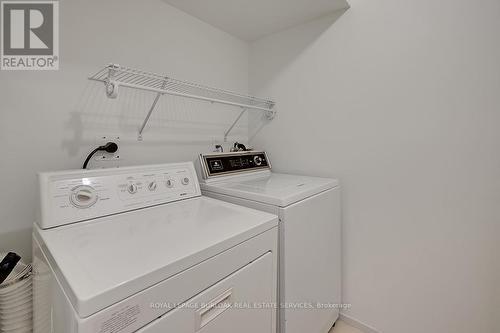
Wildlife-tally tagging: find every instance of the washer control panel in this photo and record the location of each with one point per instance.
(74, 196)
(219, 164)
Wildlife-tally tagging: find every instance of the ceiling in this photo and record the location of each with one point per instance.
(254, 19)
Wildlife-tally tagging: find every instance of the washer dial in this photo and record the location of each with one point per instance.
(83, 196)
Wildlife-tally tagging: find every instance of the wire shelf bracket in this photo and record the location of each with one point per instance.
(115, 76)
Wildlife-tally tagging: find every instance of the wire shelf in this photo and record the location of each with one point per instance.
(115, 76)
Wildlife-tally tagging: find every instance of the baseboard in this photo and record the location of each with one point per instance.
(357, 324)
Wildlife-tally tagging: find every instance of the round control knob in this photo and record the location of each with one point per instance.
(152, 186)
(257, 160)
(170, 183)
(132, 188)
(185, 181)
(83, 196)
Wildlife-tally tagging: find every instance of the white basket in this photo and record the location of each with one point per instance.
(16, 300)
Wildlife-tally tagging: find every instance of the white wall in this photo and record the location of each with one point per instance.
(51, 120)
(400, 100)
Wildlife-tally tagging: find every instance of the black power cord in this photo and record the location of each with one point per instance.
(109, 147)
(239, 147)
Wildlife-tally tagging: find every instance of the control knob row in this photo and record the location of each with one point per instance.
(153, 186)
(85, 196)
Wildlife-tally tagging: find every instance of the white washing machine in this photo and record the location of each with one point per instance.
(138, 249)
(310, 228)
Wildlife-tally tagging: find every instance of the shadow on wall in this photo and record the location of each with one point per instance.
(280, 54)
(283, 48)
(18, 241)
(175, 120)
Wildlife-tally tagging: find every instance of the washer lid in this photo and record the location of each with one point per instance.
(273, 188)
(104, 261)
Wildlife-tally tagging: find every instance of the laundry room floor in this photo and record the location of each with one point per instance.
(342, 327)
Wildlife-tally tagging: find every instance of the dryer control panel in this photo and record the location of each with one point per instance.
(74, 196)
(219, 164)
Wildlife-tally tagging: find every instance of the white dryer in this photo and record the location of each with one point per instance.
(138, 249)
(310, 228)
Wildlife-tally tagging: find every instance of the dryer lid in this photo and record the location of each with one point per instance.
(106, 260)
(273, 188)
